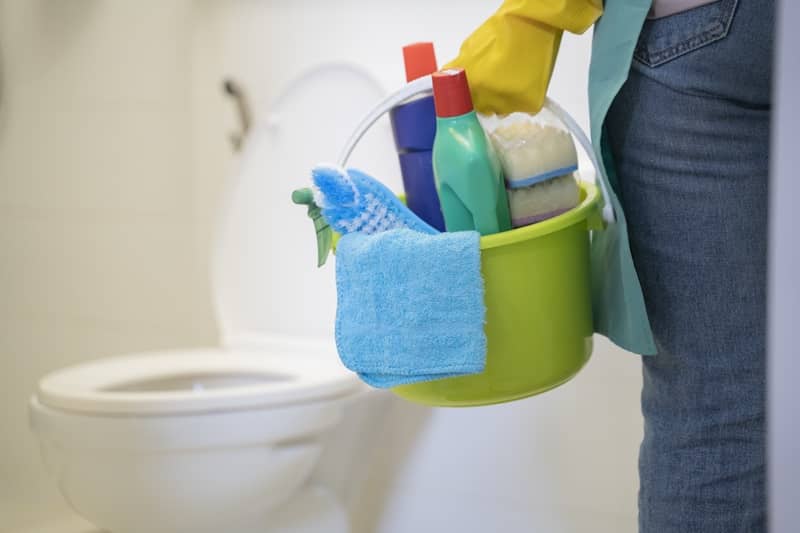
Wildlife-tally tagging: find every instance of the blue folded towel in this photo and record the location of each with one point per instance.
(410, 306)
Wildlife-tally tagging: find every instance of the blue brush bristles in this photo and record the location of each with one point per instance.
(352, 201)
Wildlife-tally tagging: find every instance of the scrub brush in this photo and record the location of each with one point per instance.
(351, 201)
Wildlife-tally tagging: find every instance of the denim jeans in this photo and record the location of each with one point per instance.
(689, 135)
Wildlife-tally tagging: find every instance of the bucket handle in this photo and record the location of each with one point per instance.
(424, 85)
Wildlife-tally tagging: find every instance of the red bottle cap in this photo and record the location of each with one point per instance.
(420, 60)
(451, 93)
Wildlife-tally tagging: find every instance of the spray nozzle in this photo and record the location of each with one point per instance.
(323, 230)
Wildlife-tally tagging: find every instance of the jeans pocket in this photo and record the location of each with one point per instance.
(667, 38)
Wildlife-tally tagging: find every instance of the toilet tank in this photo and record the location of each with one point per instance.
(264, 275)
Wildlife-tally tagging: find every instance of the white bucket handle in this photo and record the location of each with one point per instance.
(424, 85)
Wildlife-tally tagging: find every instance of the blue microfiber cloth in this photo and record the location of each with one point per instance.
(353, 201)
(410, 306)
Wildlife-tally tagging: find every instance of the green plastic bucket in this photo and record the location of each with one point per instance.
(538, 311)
(536, 290)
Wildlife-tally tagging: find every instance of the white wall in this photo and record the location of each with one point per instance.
(96, 205)
(784, 295)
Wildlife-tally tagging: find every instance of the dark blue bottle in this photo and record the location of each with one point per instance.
(414, 128)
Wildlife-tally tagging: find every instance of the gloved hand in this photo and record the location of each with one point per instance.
(509, 59)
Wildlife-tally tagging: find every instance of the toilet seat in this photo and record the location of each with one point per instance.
(192, 381)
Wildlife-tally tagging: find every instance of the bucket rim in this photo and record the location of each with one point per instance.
(589, 204)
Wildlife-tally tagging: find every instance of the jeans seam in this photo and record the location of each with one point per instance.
(718, 31)
(688, 45)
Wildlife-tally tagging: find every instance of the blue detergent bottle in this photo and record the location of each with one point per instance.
(414, 129)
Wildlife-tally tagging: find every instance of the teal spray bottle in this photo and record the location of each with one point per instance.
(469, 178)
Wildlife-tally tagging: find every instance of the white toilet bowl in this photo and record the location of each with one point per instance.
(188, 441)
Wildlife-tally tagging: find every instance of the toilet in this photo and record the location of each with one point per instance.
(227, 438)
(194, 441)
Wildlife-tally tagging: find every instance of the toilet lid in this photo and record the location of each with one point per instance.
(265, 278)
(196, 381)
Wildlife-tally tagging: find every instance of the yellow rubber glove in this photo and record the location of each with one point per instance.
(509, 59)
